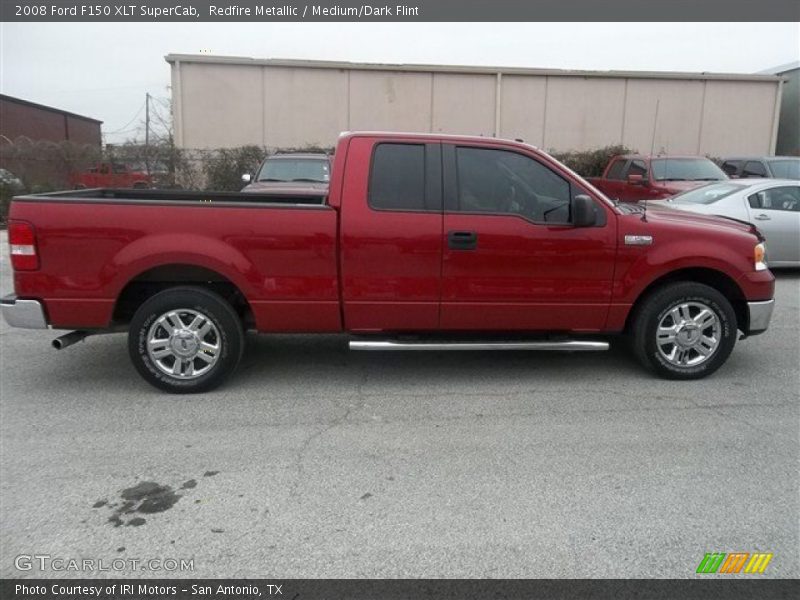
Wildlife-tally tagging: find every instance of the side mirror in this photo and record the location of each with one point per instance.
(635, 179)
(246, 178)
(583, 213)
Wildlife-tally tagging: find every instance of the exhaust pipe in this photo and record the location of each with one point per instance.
(68, 339)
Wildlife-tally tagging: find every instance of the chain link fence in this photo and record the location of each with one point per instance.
(38, 167)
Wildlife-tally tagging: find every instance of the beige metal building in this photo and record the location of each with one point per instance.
(230, 101)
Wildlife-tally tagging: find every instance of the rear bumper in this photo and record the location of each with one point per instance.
(28, 314)
(760, 314)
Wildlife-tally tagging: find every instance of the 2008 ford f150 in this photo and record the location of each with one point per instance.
(422, 242)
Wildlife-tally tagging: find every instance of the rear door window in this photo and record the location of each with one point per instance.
(784, 198)
(397, 179)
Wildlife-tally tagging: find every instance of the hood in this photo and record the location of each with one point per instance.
(285, 187)
(660, 211)
(681, 186)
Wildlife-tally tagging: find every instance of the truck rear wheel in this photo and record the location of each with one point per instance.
(684, 330)
(185, 340)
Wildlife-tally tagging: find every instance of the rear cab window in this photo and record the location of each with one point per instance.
(397, 178)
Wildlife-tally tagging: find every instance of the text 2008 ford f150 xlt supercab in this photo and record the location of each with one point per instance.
(422, 242)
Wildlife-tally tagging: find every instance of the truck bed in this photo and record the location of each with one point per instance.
(279, 251)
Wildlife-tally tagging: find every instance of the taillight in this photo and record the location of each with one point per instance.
(22, 240)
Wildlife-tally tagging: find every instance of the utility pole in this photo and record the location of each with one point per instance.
(147, 131)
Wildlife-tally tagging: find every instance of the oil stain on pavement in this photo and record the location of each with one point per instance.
(146, 497)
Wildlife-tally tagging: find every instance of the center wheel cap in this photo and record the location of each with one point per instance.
(184, 343)
(688, 335)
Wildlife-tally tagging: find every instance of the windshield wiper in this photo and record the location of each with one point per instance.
(308, 179)
(707, 179)
(272, 179)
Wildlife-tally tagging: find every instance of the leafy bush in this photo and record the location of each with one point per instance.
(223, 169)
(5, 200)
(591, 163)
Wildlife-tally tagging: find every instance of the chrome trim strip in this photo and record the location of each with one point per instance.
(760, 315)
(27, 314)
(569, 345)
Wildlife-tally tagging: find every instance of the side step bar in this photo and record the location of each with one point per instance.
(564, 345)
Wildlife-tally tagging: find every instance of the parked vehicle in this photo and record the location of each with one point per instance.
(110, 175)
(425, 242)
(10, 182)
(773, 205)
(632, 178)
(780, 167)
(290, 172)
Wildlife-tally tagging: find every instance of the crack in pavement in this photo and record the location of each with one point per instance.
(356, 403)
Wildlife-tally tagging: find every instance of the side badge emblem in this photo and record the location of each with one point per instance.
(638, 240)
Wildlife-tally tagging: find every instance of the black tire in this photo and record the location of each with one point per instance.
(226, 333)
(658, 305)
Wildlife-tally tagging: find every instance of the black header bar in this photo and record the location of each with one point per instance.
(407, 11)
(705, 587)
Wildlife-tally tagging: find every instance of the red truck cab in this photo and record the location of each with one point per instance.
(421, 242)
(110, 175)
(631, 178)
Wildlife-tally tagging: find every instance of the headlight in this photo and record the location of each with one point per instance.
(760, 256)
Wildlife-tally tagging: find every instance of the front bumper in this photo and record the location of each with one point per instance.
(28, 314)
(760, 314)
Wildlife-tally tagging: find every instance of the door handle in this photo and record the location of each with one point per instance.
(462, 240)
(762, 217)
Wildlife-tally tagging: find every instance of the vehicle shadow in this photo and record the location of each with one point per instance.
(281, 359)
(313, 365)
(789, 273)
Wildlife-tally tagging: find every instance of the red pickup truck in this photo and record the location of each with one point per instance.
(632, 178)
(422, 242)
(110, 175)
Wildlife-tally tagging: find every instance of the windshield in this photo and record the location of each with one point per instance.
(686, 169)
(708, 193)
(295, 169)
(786, 169)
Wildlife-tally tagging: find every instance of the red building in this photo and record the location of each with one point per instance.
(20, 118)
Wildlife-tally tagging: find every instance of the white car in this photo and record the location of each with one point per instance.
(772, 205)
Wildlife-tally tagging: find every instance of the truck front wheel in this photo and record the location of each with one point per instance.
(684, 330)
(185, 340)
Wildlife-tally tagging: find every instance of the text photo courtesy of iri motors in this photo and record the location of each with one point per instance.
(343, 301)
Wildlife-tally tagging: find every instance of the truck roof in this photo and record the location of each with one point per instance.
(661, 156)
(759, 157)
(432, 136)
(303, 155)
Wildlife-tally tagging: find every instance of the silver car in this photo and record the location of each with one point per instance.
(772, 205)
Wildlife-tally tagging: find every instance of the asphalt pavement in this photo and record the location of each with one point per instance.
(314, 461)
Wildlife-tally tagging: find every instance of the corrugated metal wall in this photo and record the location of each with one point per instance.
(230, 102)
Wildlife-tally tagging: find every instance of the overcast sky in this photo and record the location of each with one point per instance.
(103, 70)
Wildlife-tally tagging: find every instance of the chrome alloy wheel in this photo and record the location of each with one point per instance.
(184, 343)
(688, 334)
